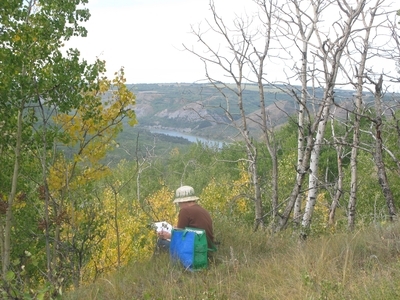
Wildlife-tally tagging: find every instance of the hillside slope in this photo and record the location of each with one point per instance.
(200, 109)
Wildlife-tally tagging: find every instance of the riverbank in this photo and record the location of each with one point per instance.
(189, 137)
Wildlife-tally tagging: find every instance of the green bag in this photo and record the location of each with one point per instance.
(189, 246)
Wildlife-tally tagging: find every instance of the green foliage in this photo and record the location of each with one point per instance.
(38, 77)
(138, 143)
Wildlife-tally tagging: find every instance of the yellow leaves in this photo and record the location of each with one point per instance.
(215, 197)
(16, 38)
(321, 214)
(92, 128)
(20, 201)
(91, 131)
(104, 86)
(62, 174)
(174, 151)
(127, 236)
(89, 175)
(162, 208)
(58, 174)
(99, 118)
(228, 198)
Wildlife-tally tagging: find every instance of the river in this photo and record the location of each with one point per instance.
(190, 138)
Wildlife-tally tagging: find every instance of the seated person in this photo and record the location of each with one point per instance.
(191, 214)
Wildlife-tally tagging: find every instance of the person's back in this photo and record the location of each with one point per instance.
(193, 215)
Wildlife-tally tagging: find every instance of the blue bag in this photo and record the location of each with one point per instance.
(189, 246)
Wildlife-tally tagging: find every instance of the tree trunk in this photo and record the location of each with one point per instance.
(331, 60)
(314, 162)
(8, 224)
(302, 171)
(233, 67)
(305, 38)
(357, 118)
(378, 156)
(340, 153)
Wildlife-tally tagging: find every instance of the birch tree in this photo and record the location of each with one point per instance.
(305, 30)
(238, 41)
(316, 46)
(341, 152)
(258, 67)
(330, 54)
(325, 50)
(299, 24)
(378, 151)
(360, 46)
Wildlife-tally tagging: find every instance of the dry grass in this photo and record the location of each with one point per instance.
(361, 265)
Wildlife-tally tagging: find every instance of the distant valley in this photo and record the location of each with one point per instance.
(200, 109)
(167, 111)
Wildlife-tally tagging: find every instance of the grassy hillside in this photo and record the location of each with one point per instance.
(255, 265)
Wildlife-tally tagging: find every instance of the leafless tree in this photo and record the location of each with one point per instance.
(378, 153)
(298, 24)
(332, 41)
(340, 146)
(244, 63)
(361, 44)
(330, 54)
(362, 48)
(257, 65)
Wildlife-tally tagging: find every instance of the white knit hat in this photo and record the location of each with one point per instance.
(185, 194)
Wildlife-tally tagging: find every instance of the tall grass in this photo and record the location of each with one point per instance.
(256, 265)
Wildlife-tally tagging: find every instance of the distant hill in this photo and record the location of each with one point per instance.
(199, 109)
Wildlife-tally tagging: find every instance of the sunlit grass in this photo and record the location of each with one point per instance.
(255, 265)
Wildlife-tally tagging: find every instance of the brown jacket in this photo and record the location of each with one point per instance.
(197, 217)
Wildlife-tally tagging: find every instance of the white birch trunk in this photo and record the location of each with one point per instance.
(332, 54)
(314, 163)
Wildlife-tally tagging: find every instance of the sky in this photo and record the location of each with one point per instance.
(145, 37)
